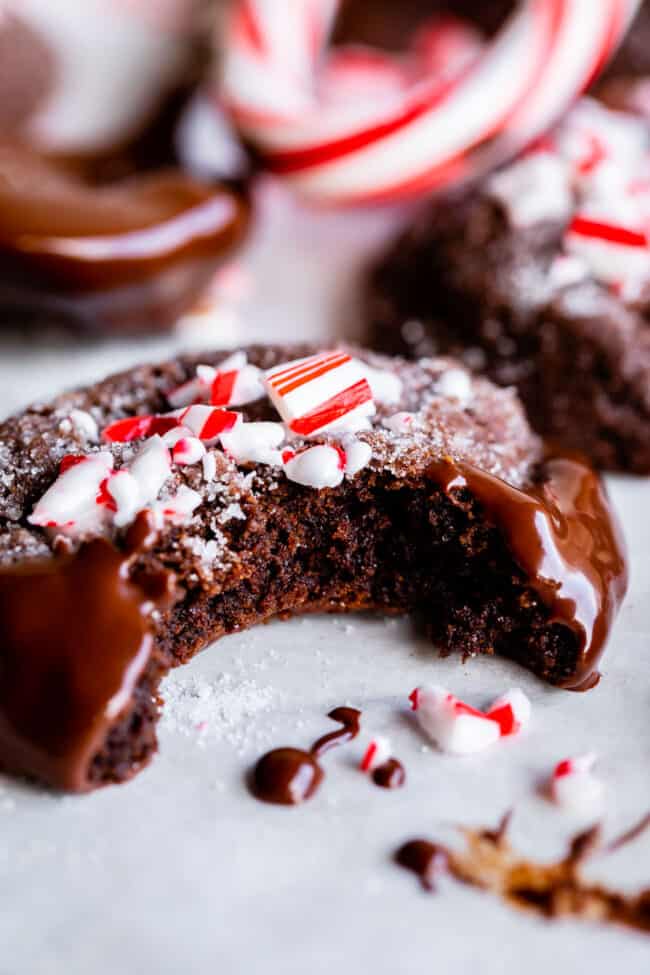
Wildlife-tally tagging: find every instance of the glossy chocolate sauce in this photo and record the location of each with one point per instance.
(133, 254)
(565, 537)
(389, 775)
(288, 776)
(74, 640)
(426, 860)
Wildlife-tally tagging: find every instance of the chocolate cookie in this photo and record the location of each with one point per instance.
(540, 277)
(146, 516)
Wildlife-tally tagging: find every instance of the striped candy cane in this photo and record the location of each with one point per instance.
(419, 134)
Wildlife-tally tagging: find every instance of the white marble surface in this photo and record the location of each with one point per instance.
(182, 872)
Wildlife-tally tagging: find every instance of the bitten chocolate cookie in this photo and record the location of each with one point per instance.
(541, 278)
(146, 516)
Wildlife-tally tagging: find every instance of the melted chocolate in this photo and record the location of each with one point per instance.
(552, 890)
(288, 776)
(389, 775)
(74, 640)
(565, 538)
(133, 254)
(426, 860)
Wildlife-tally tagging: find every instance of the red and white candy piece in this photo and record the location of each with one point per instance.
(322, 466)
(71, 503)
(616, 249)
(400, 423)
(137, 427)
(208, 422)
(179, 508)
(357, 455)
(377, 752)
(420, 137)
(324, 392)
(255, 442)
(188, 450)
(511, 711)
(454, 726)
(574, 786)
(232, 383)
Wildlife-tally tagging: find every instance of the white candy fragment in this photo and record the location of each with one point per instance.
(535, 189)
(401, 423)
(179, 508)
(317, 467)
(125, 491)
(357, 455)
(385, 386)
(455, 384)
(574, 786)
(452, 725)
(254, 443)
(188, 450)
(151, 467)
(85, 425)
(377, 752)
(209, 464)
(232, 383)
(70, 504)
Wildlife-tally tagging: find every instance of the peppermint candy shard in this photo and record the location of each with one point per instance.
(70, 503)
(188, 450)
(255, 442)
(138, 427)
(180, 507)
(452, 725)
(377, 752)
(327, 391)
(316, 467)
(511, 711)
(150, 468)
(208, 422)
(574, 786)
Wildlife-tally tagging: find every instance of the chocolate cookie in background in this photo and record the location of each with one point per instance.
(105, 223)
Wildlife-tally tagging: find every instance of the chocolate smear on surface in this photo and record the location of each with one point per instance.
(552, 890)
(74, 641)
(288, 776)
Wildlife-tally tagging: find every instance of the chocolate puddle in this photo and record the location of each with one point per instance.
(129, 254)
(65, 675)
(551, 890)
(288, 776)
(566, 539)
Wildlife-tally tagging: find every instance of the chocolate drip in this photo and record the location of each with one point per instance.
(74, 641)
(551, 890)
(565, 538)
(389, 775)
(131, 254)
(288, 776)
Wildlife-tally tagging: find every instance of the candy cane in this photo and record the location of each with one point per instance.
(424, 134)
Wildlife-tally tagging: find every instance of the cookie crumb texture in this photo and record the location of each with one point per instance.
(391, 538)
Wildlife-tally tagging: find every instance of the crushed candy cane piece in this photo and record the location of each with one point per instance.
(385, 386)
(208, 422)
(70, 503)
(317, 467)
(377, 752)
(124, 491)
(574, 786)
(328, 391)
(455, 384)
(151, 467)
(84, 424)
(209, 464)
(402, 422)
(511, 711)
(255, 443)
(179, 508)
(232, 383)
(614, 251)
(137, 427)
(357, 455)
(188, 450)
(534, 189)
(452, 725)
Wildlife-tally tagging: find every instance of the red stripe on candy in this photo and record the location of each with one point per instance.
(222, 387)
(219, 422)
(583, 227)
(70, 460)
(333, 409)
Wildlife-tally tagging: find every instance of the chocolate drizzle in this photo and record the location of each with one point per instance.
(389, 775)
(565, 537)
(130, 254)
(74, 640)
(288, 776)
(552, 890)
